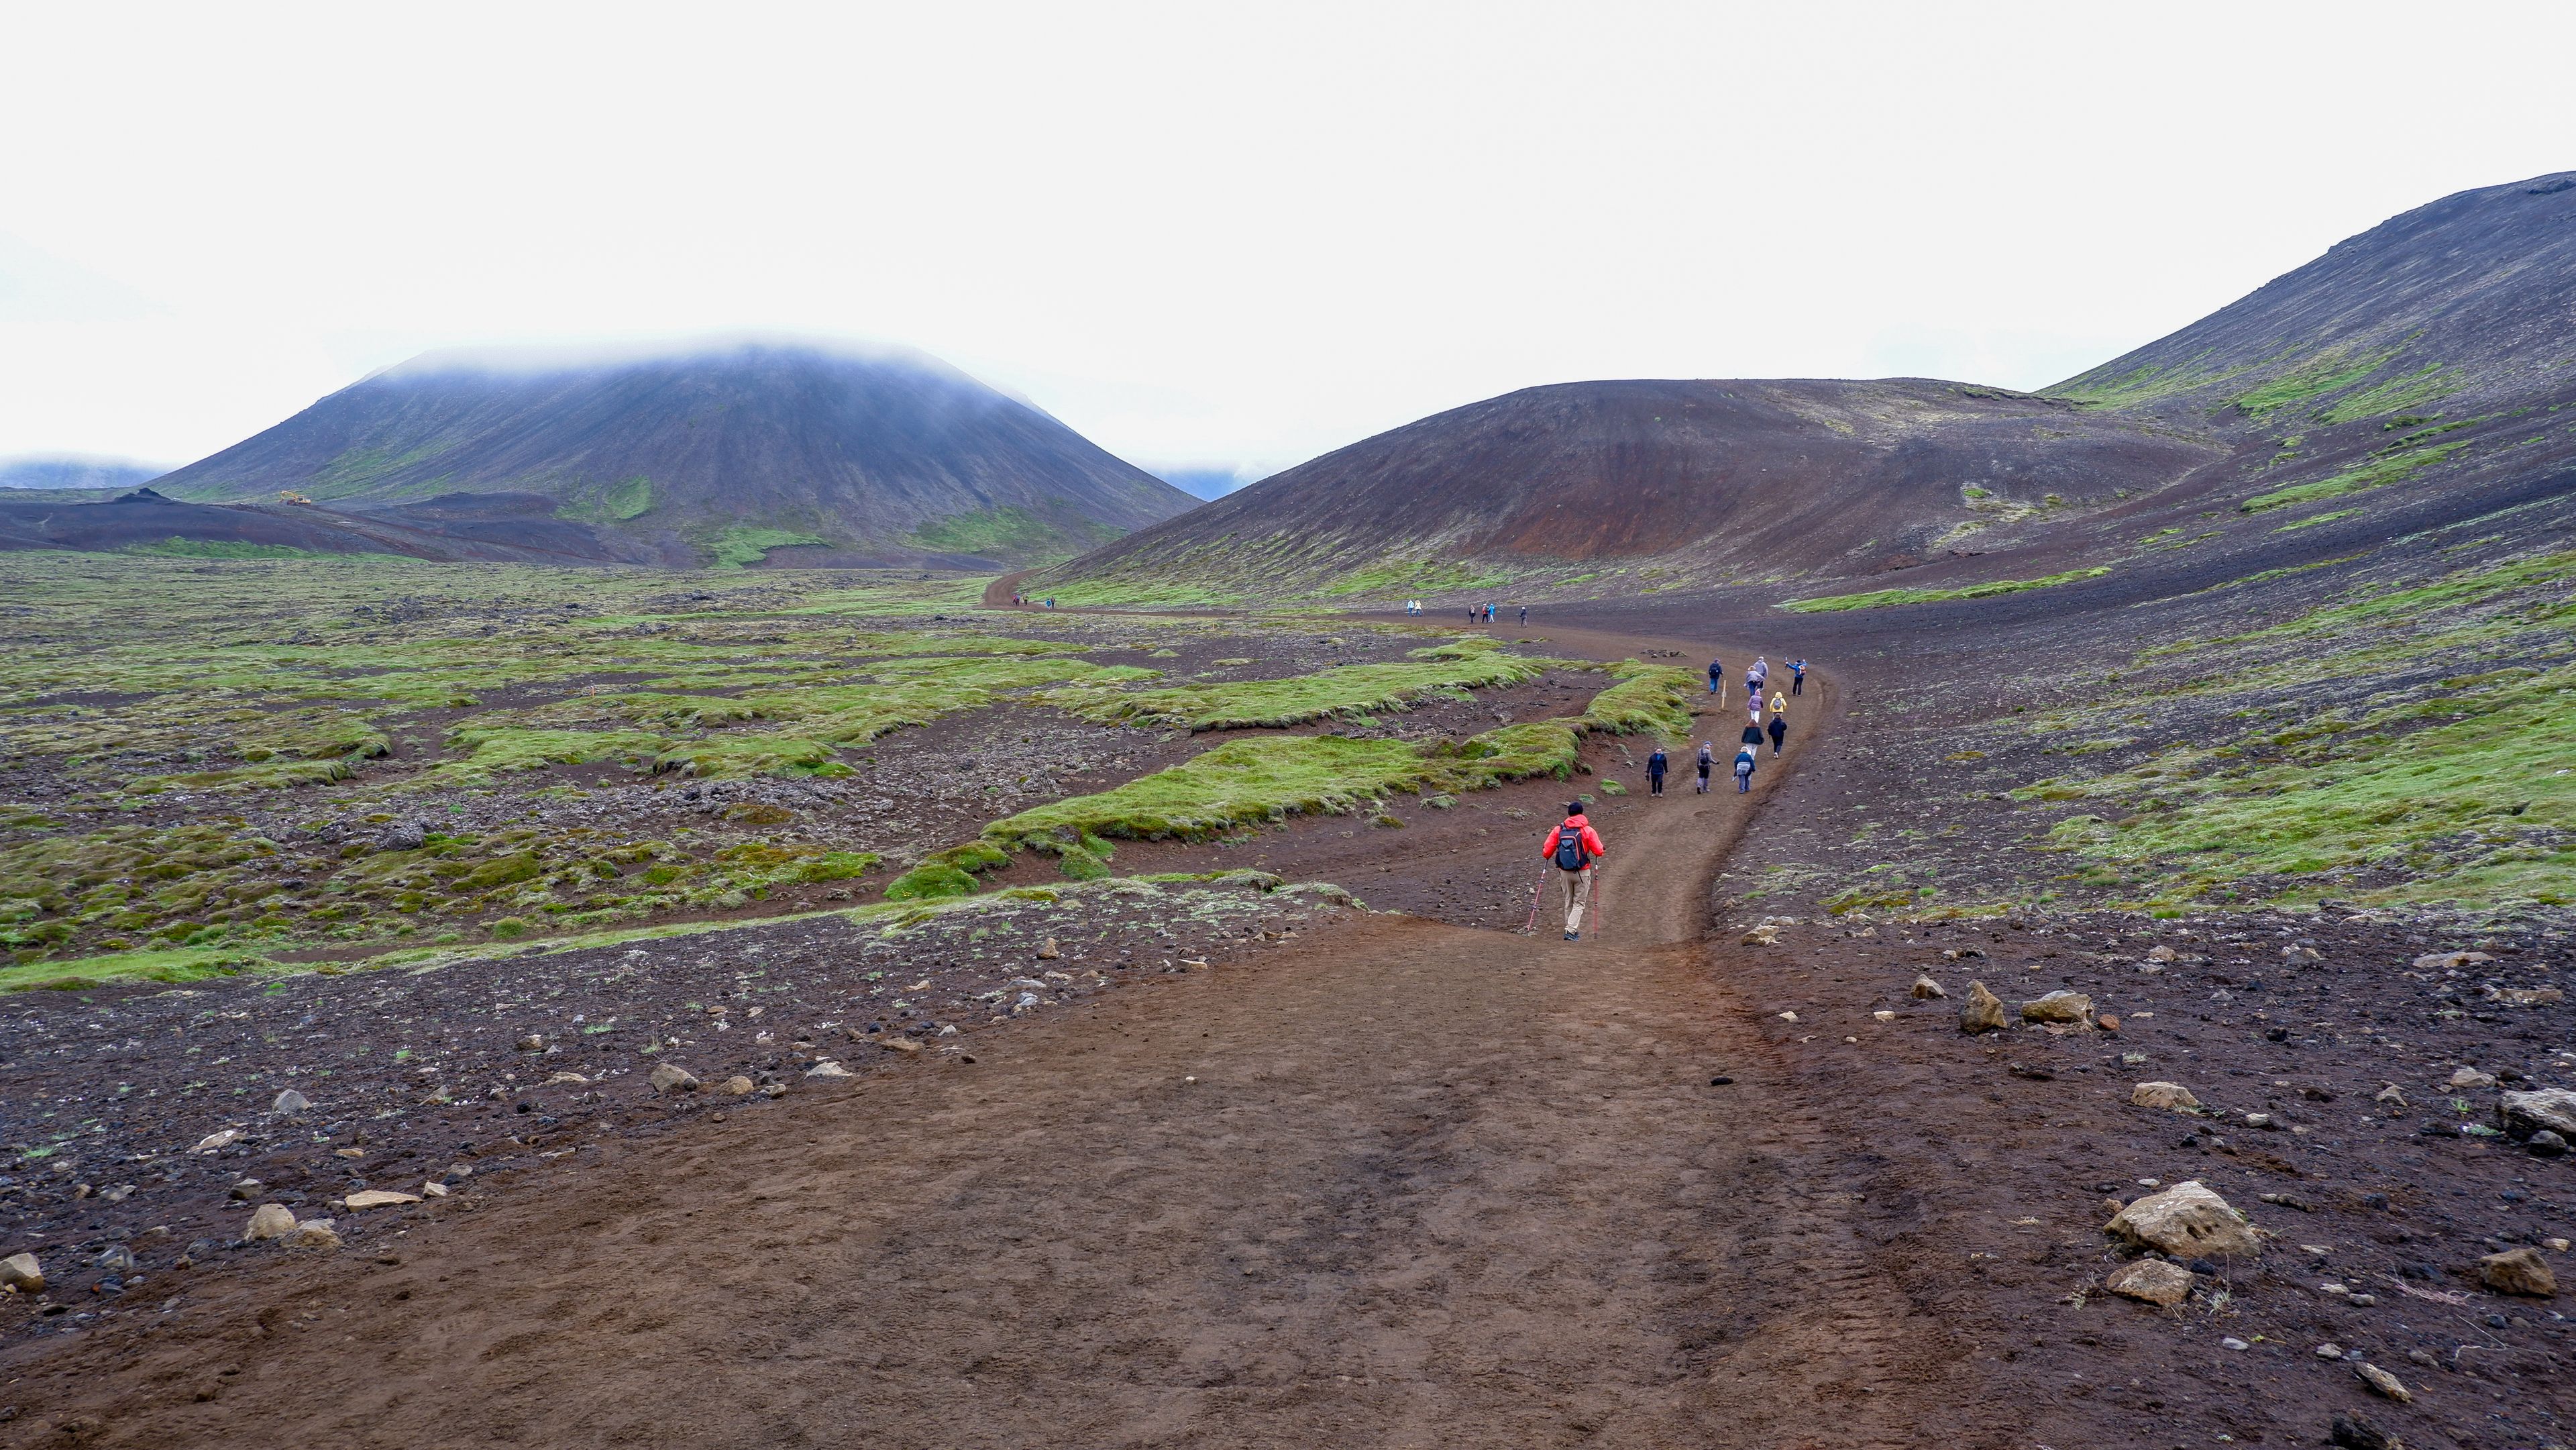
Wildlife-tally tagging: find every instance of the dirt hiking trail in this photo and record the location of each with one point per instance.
(1398, 1183)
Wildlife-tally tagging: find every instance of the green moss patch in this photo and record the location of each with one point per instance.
(1884, 598)
(2377, 473)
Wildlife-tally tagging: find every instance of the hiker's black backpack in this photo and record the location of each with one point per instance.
(1569, 848)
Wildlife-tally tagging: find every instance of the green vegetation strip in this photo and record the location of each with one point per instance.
(1883, 598)
(1343, 692)
(2377, 473)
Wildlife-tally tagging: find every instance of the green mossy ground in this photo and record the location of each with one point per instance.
(1884, 598)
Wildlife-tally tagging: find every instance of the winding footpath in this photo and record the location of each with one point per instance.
(1402, 1184)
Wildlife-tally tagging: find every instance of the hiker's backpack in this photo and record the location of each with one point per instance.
(1569, 848)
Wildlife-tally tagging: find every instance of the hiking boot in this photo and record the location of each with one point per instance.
(1573, 936)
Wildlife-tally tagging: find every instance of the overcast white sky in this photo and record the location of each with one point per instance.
(1203, 234)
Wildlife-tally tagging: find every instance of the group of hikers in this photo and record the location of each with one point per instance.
(1024, 601)
(1573, 846)
(1476, 613)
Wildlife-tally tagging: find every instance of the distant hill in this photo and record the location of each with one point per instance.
(740, 455)
(2421, 372)
(65, 472)
(1712, 481)
(1203, 482)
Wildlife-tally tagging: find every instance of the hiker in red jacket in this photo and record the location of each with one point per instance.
(1573, 847)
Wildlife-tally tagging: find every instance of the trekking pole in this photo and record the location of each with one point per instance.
(1600, 913)
(1535, 892)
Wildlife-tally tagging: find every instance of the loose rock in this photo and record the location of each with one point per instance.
(669, 1077)
(269, 1221)
(828, 1068)
(366, 1198)
(290, 1102)
(2059, 1006)
(1925, 989)
(532, 1043)
(20, 1273)
(217, 1141)
(2384, 1383)
(1050, 951)
(737, 1085)
(2449, 961)
(314, 1233)
(2518, 1271)
(2546, 1144)
(1984, 1011)
(2170, 1097)
(2187, 1221)
(2550, 1109)
(2470, 1077)
(2152, 1281)
(2352, 1432)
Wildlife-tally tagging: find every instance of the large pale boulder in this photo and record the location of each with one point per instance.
(2187, 1221)
(2152, 1281)
(2518, 1271)
(2059, 1006)
(668, 1077)
(2171, 1097)
(20, 1272)
(1984, 1011)
(269, 1221)
(2523, 1114)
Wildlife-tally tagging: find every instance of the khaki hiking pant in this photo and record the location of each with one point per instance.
(1574, 886)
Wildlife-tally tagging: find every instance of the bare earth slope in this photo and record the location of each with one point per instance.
(1714, 480)
(830, 457)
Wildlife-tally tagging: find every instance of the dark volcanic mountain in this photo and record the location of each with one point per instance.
(797, 453)
(1717, 480)
(104, 473)
(2409, 376)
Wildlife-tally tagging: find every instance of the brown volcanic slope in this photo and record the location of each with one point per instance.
(2411, 375)
(701, 457)
(1735, 479)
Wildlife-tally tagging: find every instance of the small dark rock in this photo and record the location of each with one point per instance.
(2354, 1432)
(1721, 1082)
(2546, 1144)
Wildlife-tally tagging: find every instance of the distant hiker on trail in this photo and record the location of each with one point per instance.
(1655, 772)
(1573, 847)
(1524, 614)
(1779, 732)
(1779, 703)
(1717, 678)
(1759, 674)
(1753, 735)
(1707, 763)
(1797, 677)
(1753, 710)
(1744, 770)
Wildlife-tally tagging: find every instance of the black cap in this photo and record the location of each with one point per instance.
(1574, 808)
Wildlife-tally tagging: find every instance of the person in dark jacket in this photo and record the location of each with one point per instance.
(1655, 772)
(1779, 732)
(1707, 763)
(1744, 770)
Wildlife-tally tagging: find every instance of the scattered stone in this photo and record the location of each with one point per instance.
(21, 1274)
(402, 836)
(2160, 954)
(2391, 1096)
(737, 1085)
(2449, 961)
(246, 1190)
(2329, 1351)
(773, 1089)
(2152, 1281)
(1884, 1016)
(290, 1102)
(2301, 954)
(899, 1043)
(433, 1189)
(2107, 1022)
(1961, 953)
(2288, 1200)
(668, 1077)
(828, 1068)
(2382, 1382)
(564, 1078)
(1761, 936)
(1925, 989)
(1789, 1017)
(2546, 1144)
(2549, 1109)
(366, 1198)
(2353, 1432)
(314, 1233)
(269, 1221)
(2232, 1342)
(2518, 1271)
(1050, 951)
(2527, 996)
(2171, 1097)
(218, 1141)
(2059, 1006)
(2187, 1221)
(2470, 1077)
(1984, 1011)
(533, 1042)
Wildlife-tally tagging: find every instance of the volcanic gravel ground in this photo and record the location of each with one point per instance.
(2000, 1151)
(410, 1073)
